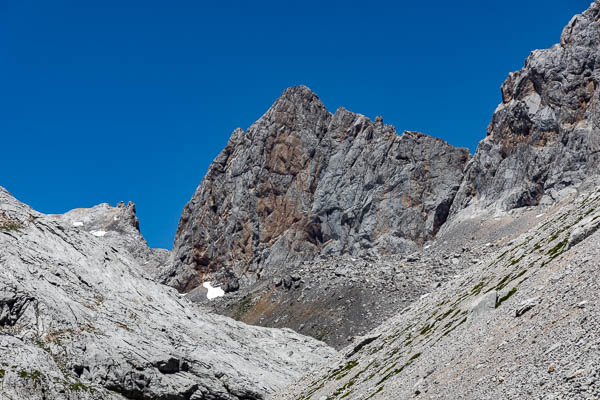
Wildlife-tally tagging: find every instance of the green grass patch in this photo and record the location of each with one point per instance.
(427, 329)
(398, 370)
(477, 288)
(506, 297)
(80, 387)
(374, 393)
(462, 321)
(558, 249)
(343, 370)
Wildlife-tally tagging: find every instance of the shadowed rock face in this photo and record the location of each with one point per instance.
(302, 182)
(544, 137)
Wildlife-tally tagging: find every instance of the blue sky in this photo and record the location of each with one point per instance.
(132, 100)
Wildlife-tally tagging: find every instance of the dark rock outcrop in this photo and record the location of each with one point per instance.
(302, 182)
(544, 138)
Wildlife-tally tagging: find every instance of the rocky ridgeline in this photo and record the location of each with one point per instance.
(80, 319)
(302, 182)
(544, 138)
(522, 323)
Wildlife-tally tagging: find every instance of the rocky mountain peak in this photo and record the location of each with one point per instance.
(299, 94)
(302, 182)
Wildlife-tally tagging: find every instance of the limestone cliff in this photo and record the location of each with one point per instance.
(303, 182)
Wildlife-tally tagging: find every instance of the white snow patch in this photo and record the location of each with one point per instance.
(77, 223)
(539, 216)
(213, 292)
(98, 233)
(115, 218)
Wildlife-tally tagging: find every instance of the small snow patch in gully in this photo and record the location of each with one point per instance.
(77, 223)
(213, 292)
(98, 233)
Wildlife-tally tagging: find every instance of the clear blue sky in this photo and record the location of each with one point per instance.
(131, 100)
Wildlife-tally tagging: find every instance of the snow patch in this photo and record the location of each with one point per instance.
(213, 292)
(77, 223)
(539, 216)
(98, 233)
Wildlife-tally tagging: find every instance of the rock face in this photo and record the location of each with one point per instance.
(302, 182)
(80, 318)
(545, 136)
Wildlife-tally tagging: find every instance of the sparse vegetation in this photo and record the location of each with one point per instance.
(342, 370)
(8, 224)
(374, 393)
(398, 370)
(35, 376)
(506, 297)
(242, 308)
(80, 387)
(557, 250)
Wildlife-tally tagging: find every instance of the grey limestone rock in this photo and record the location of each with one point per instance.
(436, 349)
(584, 228)
(81, 318)
(303, 182)
(483, 305)
(118, 226)
(544, 137)
(526, 306)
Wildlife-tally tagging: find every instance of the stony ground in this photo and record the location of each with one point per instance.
(335, 299)
(522, 323)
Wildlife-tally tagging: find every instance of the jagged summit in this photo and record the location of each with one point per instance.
(302, 182)
(299, 92)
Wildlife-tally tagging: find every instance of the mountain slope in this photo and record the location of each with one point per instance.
(522, 323)
(80, 318)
